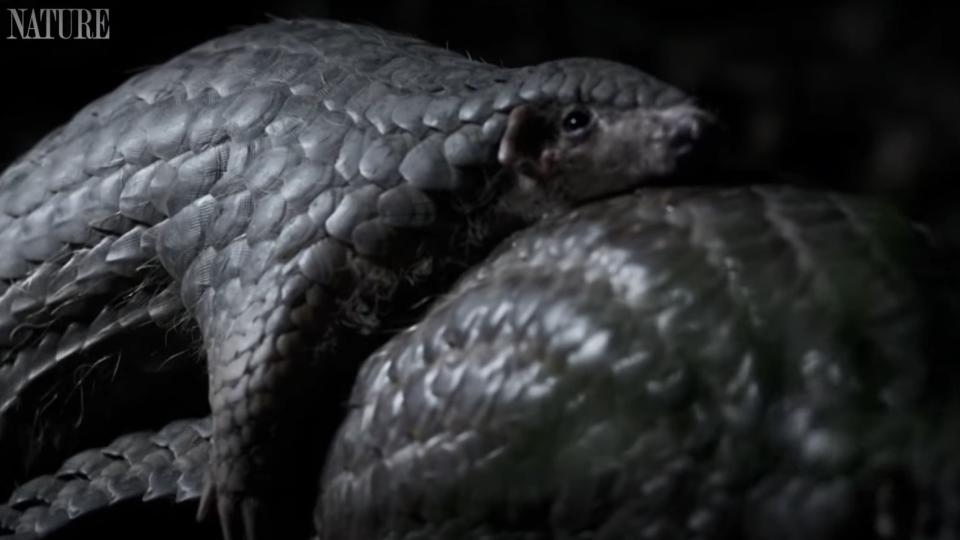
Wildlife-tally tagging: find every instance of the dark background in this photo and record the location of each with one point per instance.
(853, 95)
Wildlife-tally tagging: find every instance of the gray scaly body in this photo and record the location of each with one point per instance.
(298, 189)
(758, 363)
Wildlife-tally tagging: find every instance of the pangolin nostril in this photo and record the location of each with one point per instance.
(684, 136)
(692, 138)
(687, 126)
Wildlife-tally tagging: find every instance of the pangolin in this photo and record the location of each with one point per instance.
(757, 362)
(296, 191)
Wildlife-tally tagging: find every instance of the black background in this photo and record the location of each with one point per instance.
(853, 95)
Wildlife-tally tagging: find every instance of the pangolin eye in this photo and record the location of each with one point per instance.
(576, 120)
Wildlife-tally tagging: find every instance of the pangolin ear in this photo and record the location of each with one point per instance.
(525, 141)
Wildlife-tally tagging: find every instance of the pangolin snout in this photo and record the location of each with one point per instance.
(689, 136)
(685, 127)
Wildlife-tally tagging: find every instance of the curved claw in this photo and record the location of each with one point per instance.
(230, 517)
(246, 517)
(206, 499)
